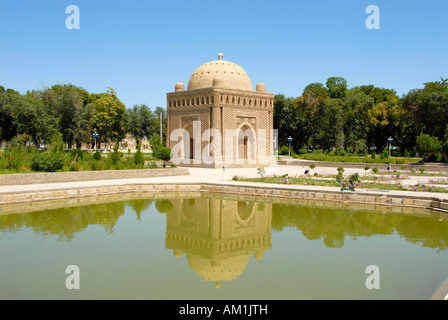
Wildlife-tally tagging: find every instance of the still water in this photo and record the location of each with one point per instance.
(221, 247)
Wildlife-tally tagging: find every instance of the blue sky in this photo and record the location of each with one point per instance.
(142, 48)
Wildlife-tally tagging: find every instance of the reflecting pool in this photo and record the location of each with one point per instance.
(220, 247)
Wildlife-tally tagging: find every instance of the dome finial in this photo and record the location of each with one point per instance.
(220, 56)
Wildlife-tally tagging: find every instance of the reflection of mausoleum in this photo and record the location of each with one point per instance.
(220, 97)
(218, 236)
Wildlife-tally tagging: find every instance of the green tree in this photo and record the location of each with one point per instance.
(163, 153)
(290, 122)
(140, 122)
(32, 117)
(337, 87)
(155, 143)
(312, 104)
(331, 130)
(72, 107)
(109, 117)
(427, 144)
(429, 108)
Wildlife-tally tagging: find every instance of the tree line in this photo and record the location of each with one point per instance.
(336, 119)
(75, 114)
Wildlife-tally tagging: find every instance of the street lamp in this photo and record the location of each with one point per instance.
(95, 135)
(390, 145)
(289, 140)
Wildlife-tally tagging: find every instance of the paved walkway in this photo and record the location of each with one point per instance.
(202, 175)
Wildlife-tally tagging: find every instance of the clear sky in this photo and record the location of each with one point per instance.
(141, 48)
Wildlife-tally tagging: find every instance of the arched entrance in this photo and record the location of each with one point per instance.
(246, 143)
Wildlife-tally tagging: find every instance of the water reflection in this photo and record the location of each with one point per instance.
(335, 225)
(218, 236)
(215, 226)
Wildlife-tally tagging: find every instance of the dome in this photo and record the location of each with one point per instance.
(226, 267)
(230, 75)
(179, 86)
(261, 87)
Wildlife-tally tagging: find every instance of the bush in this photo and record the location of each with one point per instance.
(375, 170)
(163, 153)
(312, 166)
(139, 160)
(354, 178)
(341, 170)
(366, 168)
(155, 143)
(77, 154)
(427, 144)
(47, 162)
(303, 151)
(96, 156)
(339, 177)
(116, 155)
(374, 155)
(284, 151)
(422, 169)
(384, 154)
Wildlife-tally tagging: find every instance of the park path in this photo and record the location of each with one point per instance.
(203, 175)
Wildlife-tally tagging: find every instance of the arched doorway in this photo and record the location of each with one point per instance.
(246, 143)
(188, 142)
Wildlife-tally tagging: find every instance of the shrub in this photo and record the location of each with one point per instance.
(47, 162)
(384, 154)
(139, 160)
(77, 154)
(375, 170)
(341, 170)
(422, 169)
(354, 178)
(312, 166)
(155, 143)
(74, 166)
(116, 155)
(163, 153)
(426, 144)
(339, 177)
(96, 156)
(366, 168)
(374, 155)
(303, 151)
(284, 151)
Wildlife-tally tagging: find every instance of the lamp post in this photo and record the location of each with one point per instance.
(95, 135)
(390, 145)
(290, 140)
